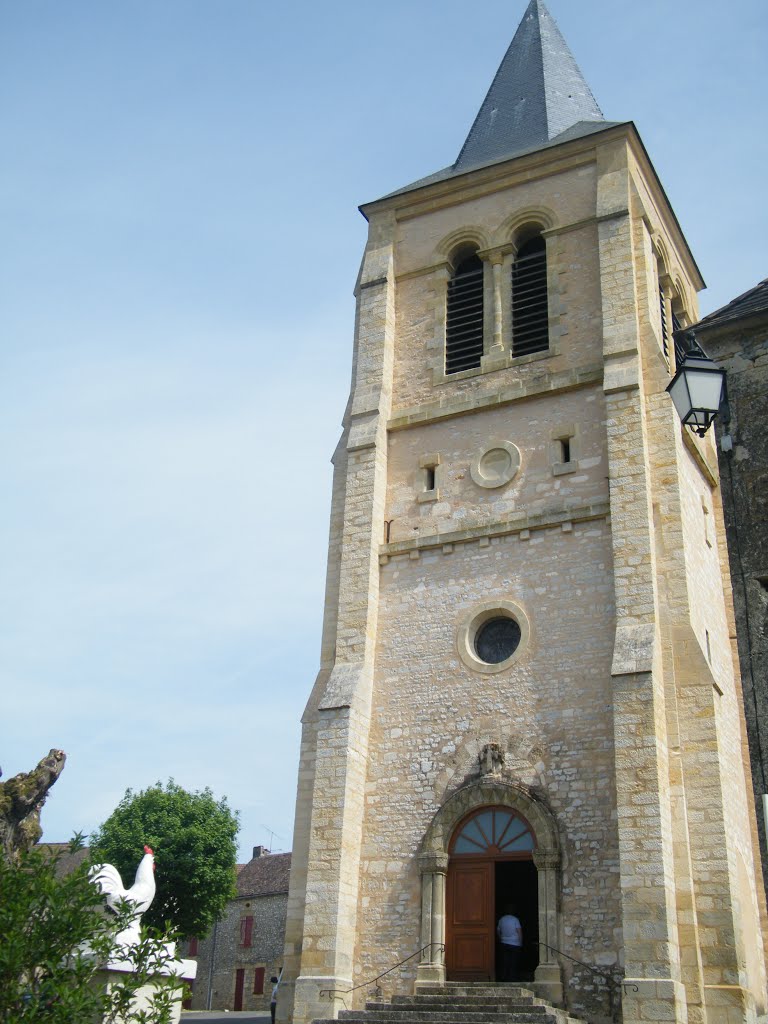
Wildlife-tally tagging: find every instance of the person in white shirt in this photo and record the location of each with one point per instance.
(510, 933)
(273, 1001)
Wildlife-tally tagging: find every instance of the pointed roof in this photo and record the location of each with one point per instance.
(537, 94)
(539, 98)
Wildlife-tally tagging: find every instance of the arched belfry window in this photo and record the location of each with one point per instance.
(494, 831)
(664, 320)
(464, 315)
(530, 317)
(668, 316)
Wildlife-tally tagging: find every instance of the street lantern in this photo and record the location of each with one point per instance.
(697, 387)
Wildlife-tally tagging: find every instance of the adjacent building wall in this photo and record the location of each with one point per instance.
(233, 945)
(736, 337)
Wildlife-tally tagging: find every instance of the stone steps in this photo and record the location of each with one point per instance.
(520, 996)
(460, 1003)
(472, 1013)
(468, 1006)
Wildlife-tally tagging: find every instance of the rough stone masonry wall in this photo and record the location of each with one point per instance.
(266, 950)
(741, 348)
(550, 712)
(536, 491)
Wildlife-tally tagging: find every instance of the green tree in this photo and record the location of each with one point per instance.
(193, 838)
(55, 940)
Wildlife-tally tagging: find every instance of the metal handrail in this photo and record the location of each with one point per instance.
(341, 992)
(609, 975)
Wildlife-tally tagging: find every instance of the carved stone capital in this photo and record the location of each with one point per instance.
(546, 859)
(433, 863)
(495, 256)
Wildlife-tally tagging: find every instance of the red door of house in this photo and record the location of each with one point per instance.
(239, 986)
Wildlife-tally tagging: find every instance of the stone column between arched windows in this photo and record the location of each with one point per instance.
(497, 261)
(489, 790)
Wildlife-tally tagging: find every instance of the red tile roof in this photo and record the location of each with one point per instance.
(266, 874)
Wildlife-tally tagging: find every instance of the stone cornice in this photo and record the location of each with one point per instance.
(542, 163)
(445, 407)
(496, 177)
(517, 523)
(433, 268)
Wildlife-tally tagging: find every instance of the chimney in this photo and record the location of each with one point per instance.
(259, 851)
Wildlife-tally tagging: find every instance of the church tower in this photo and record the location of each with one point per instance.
(527, 692)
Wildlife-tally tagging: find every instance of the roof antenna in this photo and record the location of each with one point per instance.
(272, 835)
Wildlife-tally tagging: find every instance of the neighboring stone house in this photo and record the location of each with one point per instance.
(67, 860)
(527, 689)
(736, 337)
(245, 948)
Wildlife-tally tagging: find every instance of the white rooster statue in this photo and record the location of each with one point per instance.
(140, 894)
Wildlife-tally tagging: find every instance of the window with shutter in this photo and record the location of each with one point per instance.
(246, 930)
(530, 313)
(258, 981)
(464, 316)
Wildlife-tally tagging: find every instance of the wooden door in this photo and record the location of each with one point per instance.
(239, 985)
(470, 943)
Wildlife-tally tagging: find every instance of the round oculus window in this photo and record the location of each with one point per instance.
(493, 636)
(497, 639)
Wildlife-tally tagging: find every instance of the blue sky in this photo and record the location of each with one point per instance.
(180, 240)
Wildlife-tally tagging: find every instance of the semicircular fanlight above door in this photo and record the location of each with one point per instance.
(494, 831)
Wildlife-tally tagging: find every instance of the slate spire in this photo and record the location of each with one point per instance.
(538, 93)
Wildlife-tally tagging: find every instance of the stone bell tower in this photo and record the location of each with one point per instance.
(527, 691)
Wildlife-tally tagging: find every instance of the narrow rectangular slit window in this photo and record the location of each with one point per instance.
(427, 481)
(565, 449)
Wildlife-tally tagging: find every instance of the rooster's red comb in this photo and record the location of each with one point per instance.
(148, 849)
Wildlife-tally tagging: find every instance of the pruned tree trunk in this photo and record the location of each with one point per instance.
(22, 799)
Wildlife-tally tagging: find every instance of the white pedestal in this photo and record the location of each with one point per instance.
(114, 971)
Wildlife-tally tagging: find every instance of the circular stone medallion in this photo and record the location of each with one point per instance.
(496, 464)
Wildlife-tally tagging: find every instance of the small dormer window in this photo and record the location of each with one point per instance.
(530, 312)
(464, 320)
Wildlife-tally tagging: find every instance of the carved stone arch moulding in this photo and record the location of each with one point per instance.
(484, 792)
(510, 229)
(467, 236)
(433, 865)
(681, 293)
(660, 250)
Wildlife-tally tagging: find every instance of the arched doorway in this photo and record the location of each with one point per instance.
(490, 790)
(490, 872)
